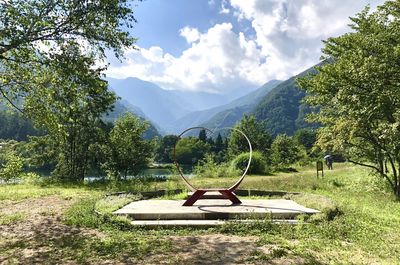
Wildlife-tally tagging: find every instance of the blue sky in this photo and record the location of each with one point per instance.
(225, 45)
(159, 22)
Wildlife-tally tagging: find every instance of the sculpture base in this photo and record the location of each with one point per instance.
(226, 194)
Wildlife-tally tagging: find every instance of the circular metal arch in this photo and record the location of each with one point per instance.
(237, 183)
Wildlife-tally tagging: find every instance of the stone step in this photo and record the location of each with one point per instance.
(213, 209)
(199, 223)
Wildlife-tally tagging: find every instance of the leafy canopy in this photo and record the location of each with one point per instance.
(358, 92)
(34, 33)
(260, 139)
(127, 151)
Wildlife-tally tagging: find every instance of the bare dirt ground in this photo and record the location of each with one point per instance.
(40, 237)
(30, 240)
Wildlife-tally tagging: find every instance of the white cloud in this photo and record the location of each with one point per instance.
(224, 8)
(190, 34)
(287, 40)
(220, 60)
(290, 32)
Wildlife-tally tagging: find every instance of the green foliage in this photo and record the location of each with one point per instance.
(6, 219)
(358, 93)
(282, 110)
(305, 137)
(203, 135)
(209, 168)
(258, 164)
(11, 166)
(260, 139)
(191, 150)
(41, 152)
(219, 148)
(15, 126)
(48, 75)
(127, 151)
(284, 151)
(71, 114)
(165, 148)
(25, 53)
(31, 178)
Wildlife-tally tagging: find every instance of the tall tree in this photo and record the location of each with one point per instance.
(32, 33)
(127, 151)
(190, 150)
(203, 135)
(359, 94)
(260, 139)
(165, 148)
(284, 151)
(71, 114)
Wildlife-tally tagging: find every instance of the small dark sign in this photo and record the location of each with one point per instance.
(320, 167)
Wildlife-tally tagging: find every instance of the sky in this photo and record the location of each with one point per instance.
(224, 45)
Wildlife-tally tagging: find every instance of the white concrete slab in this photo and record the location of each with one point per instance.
(197, 223)
(213, 209)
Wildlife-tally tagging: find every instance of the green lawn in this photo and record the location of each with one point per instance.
(359, 224)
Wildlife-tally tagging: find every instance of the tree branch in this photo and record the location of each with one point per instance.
(3, 93)
(377, 169)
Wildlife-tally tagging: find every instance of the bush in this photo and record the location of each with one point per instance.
(210, 169)
(31, 178)
(258, 163)
(285, 152)
(12, 166)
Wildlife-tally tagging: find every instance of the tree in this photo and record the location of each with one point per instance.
(15, 126)
(48, 56)
(284, 151)
(11, 164)
(203, 135)
(260, 139)
(190, 150)
(165, 148)
(219, 144)
(305, 137)
(71, 114)
(32, 34)
(358, 93)
(127, 151)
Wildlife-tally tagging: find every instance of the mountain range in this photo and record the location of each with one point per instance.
(164, 107)
(278, 104)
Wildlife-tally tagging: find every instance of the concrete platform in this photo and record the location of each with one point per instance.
(198, 223)
(213, 209)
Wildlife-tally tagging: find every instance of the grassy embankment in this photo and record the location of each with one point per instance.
(360, 223)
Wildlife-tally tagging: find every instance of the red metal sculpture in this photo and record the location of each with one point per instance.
(227, 193)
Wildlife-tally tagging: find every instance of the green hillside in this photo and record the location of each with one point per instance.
(16, 127)
(228, 115)
(121, 107)
(282, 109)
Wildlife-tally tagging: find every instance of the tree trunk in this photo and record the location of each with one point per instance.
(397, 192)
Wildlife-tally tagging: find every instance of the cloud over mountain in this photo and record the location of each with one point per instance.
(285, 38)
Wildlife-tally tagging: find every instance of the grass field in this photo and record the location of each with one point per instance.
(51, 224)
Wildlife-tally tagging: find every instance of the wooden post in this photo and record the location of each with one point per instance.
(320, 167)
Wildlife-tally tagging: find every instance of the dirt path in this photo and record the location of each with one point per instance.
(30, 239)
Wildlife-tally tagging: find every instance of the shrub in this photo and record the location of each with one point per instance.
(31, 178)
(284, 151)
(210, 169)
(11, 168)
(258, 163)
